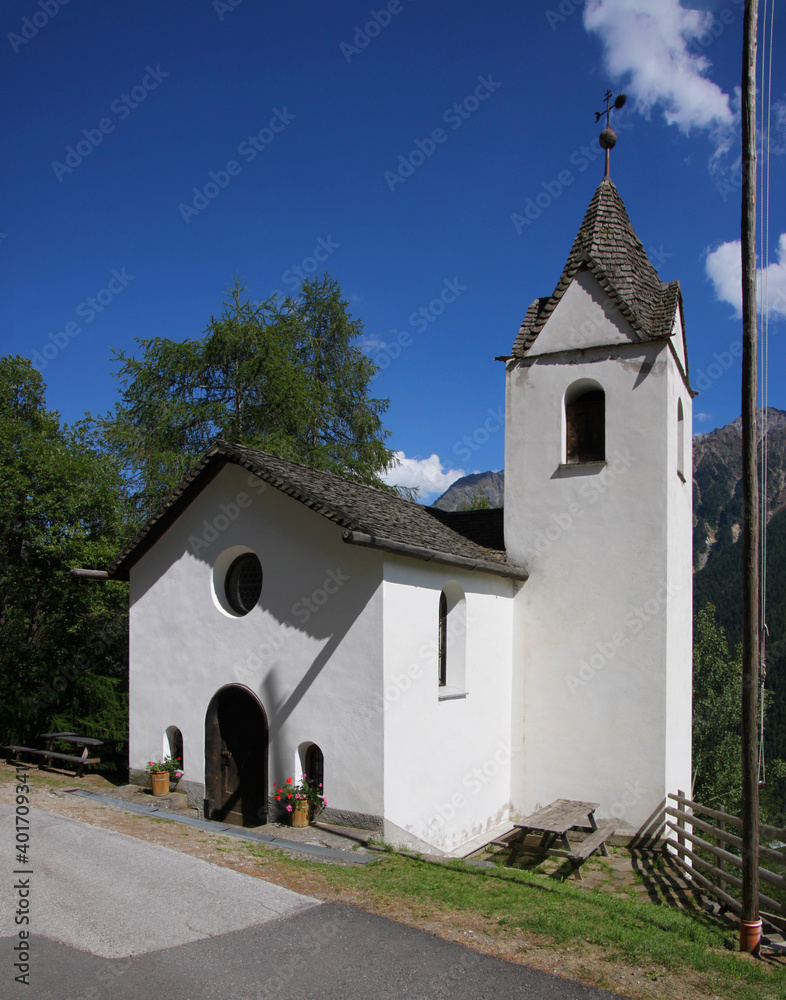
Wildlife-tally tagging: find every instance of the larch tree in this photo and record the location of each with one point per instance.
(288, 379)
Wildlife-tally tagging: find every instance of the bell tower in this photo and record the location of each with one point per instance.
(598, 506)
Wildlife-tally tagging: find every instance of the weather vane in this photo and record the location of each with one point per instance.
(608, 137)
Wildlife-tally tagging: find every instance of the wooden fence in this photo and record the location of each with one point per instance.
(712, 840)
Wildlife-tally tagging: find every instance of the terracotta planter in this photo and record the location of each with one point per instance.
(300, 813)
(159, 781)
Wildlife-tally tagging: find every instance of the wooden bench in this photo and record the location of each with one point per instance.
(80, 761)
(588, 846)
(555, 822)
(597, 839)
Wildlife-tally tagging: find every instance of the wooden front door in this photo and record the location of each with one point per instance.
(236, 747)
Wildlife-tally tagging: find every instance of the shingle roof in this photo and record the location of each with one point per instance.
(353, 506)
(608, 247)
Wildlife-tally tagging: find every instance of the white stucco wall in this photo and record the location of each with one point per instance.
(608, 602)
(584, 317)
(311, 669)
(679, 681)
(448, 751)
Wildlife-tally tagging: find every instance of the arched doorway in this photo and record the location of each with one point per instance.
(236, 745)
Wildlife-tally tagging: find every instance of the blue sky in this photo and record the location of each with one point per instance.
(154, 151)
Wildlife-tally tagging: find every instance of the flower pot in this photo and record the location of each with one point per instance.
(299, 814)
(159, 781)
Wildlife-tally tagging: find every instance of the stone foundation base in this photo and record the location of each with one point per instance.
(194, 790)
(195, 793)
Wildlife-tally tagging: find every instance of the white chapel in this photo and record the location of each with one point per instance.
(447, 673)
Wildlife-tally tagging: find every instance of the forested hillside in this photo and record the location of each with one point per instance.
(717, 483)
(720, 583)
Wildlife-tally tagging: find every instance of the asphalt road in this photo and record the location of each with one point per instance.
(115, 918)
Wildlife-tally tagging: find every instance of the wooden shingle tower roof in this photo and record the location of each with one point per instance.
(608, 247)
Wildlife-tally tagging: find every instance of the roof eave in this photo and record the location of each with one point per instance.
(508, 570)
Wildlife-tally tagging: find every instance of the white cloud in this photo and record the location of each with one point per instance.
(724, 269)
(655, 45)
(371, 344)
(425, 474)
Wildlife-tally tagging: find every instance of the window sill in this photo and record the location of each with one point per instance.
(568, 469)
(451, 694)
(598, 464)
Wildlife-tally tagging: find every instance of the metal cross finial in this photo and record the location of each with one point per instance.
(608, 137)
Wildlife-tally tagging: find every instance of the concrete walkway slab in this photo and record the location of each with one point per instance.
(114, 896)
(295, 840)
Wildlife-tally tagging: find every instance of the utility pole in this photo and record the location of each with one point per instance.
(750, 923)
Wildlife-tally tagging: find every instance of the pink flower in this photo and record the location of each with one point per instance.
(289, 809)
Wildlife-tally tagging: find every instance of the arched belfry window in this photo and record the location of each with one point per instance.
(585, 423)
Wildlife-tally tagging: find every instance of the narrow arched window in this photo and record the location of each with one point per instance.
(443, 639)
(173, 745)
(452, 641)
(585, 423)
(680, 441)
(315, 767)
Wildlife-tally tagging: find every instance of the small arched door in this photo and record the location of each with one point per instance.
(236, 747)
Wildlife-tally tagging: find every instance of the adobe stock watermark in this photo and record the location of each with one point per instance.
(280, 983)
(705, 377)
(107, 976)
(95, 651)
(122, 106)
(32, 24)
(427, 662)
(535, 205)
(632, 794)
(23, 876)
(228, 513)
(565, 9)
(249, 148)
(224, 7)
(302, 610)
(455, 116)
(86, 310)
(606, 650)
(473, 782)
(591, 490)
(419, 320)
(471, 443)
(715, 26)
(378, 20)
(611, 311)
(731, 184)
(323, 250)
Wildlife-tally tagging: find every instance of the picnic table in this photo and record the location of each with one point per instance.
(558, 820)
(78, 739)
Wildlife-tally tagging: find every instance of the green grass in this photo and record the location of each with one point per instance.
(648, 936)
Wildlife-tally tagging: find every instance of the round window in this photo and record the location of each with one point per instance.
(244, 583)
